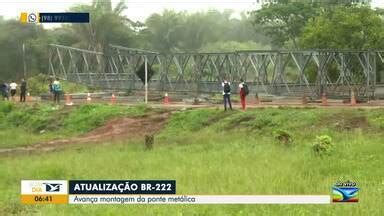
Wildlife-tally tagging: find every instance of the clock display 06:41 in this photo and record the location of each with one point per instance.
(43, 198)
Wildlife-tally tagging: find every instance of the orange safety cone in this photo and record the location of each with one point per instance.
(113, 99)
(166, 99)
(324, 100)
(353, 98)
(89, 99)
(68, 100)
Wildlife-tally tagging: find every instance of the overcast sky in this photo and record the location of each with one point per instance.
(137, 10)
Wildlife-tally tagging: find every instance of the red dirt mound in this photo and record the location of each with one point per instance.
(113, 130)
(122, 128)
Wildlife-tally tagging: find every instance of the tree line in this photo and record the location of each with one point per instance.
(285, 24)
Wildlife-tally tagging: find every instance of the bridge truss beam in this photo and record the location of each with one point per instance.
(278, 72)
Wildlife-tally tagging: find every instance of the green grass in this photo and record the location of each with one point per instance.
(22, 125)
(209, 151)
(38, 85)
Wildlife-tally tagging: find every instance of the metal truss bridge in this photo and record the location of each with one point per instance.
(274, 72)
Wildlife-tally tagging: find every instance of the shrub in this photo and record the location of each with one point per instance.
(5, 107)
(17, 118)
(38, 85)
(283, 137)
(378, 121)
(264, 121)
(323, 145)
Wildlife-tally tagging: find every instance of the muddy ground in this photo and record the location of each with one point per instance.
(122, 128)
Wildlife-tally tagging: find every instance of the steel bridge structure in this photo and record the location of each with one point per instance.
(274, 72)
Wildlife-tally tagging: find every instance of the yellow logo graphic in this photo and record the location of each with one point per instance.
(29, 17)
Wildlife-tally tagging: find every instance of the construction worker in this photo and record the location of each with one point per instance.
(23, 90)
(227, 94)
(244, 91)
(56, 88)
(5, 90)
(13, 87)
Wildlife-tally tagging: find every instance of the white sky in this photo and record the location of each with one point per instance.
(137, 10)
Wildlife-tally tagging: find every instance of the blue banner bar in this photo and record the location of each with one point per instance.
(64, 17)
(122, 187)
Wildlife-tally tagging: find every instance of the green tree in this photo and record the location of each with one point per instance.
(230, 46)
(344, 28)
(330, 3)
(283, 21)
(181, 31)
(107, 25)
(164, 31)
(13, 35)
(356, 28)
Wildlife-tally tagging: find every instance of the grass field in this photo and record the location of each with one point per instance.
(24, 125)
(209, 151)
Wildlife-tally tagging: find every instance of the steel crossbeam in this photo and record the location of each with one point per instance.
(277, 72)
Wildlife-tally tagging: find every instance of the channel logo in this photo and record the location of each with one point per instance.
(345, 192)
(52, 187)
(44, 187)
(44, 191)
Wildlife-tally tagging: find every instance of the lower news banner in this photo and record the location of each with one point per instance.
(141, 192)
(116, 191)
